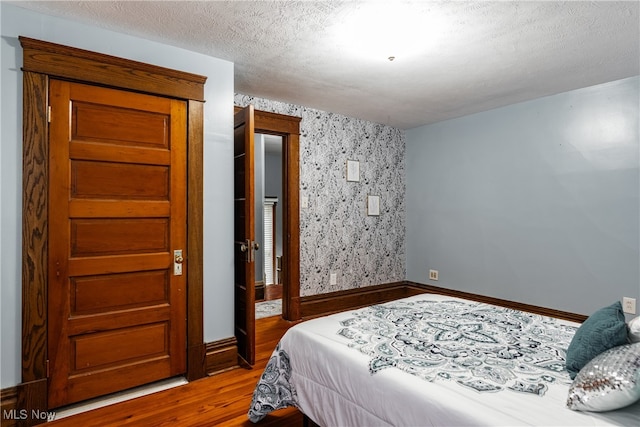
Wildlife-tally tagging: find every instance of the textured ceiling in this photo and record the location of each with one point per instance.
(453, 58)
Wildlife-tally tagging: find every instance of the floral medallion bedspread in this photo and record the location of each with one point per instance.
(479, 346)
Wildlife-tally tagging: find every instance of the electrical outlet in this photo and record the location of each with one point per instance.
(629, 305)
(433, 274)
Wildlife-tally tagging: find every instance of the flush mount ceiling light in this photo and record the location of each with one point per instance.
(387, 30)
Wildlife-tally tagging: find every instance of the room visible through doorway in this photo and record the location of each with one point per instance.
(269, 214)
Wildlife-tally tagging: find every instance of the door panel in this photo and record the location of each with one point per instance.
(119, 126)
(97, 179)
(92, 237)
(244, 234)
(95, 294)
(117, 191)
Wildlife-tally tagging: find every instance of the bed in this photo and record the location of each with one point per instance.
(427, 360)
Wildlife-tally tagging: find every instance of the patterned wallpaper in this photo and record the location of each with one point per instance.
(336, 234)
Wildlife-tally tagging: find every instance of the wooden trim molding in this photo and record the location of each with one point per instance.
(221, 355)
(291, 225)
(333, 302)
(9, 406)
(414, 288)
(277, 123)
(260, 289)
(195, 275)
(31, 394)
(43, 60)
(35, 175)
(77, 64)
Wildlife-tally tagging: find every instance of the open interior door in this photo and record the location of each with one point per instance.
(244, 234)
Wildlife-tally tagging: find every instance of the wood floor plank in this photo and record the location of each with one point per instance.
(219, 400)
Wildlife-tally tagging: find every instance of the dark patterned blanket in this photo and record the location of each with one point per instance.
(274, 390)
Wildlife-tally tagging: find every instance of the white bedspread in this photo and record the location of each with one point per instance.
(330, 381)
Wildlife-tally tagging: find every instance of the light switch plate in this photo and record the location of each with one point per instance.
(333, 279)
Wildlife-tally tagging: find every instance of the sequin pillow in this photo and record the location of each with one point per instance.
(609, 381)
(604, 329)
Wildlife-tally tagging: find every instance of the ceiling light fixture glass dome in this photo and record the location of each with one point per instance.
(387, 30)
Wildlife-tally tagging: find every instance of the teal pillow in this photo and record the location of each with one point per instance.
(604, 329)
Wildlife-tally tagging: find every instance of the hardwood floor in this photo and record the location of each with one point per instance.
(219, 400)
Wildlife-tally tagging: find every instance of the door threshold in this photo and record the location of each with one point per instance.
(111, 399)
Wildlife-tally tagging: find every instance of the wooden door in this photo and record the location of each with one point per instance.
(117, 213)
(244, 234)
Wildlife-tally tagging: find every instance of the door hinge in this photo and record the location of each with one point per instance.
(49, 114)
(47, 365)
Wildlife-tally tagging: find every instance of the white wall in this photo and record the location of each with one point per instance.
(258, 201)
(218, 165)
(536, 202)
(273, 187)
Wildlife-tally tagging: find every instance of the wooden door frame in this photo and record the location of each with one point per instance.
(289, 128)
(42, 61)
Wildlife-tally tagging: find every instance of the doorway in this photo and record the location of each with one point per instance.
(248, 122)
(269, 213)
(41, 62)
